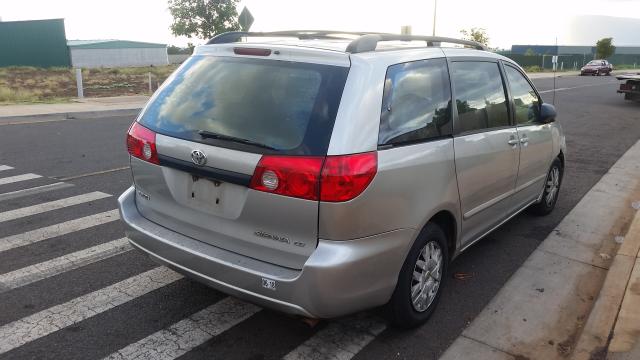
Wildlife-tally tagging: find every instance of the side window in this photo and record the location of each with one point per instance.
(525, 99)
(480, 95)
(416, 102)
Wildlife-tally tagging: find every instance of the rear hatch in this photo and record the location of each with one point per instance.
(209, 126)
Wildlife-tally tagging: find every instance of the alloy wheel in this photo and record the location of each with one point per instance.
(553, 184)
(427, 276)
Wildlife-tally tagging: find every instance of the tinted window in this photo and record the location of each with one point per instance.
(525, 98)
(416, 102)
(285, 105)
(480, 95)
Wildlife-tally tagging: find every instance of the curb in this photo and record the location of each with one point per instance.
(541, 310)
(21, 119)
(594, 340)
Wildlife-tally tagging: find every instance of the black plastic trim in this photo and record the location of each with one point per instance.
(205, 171)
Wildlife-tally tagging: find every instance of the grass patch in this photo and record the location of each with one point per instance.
(26, 84)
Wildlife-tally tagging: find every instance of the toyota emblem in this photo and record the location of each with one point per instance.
(198, 157)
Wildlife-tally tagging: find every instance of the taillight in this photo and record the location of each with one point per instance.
(295, 176)
(625, 87)
(331, 178)
(141, 143)
(347, 176)
(252, 51)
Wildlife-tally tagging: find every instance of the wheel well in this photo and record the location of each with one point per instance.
(447, 222)
(561, 157)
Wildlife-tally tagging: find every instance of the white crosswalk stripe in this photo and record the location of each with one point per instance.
(40, 324)
(67, 227)
(16, 178)
(34, 190)
(52, 205)
(43, 270)
(340, 340)
(188, 333)
(5, 167)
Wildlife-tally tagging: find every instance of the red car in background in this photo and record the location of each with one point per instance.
(597, 67)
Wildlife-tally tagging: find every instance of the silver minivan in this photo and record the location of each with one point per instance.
(323, 173)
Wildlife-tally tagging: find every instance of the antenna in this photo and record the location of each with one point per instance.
(555, 67)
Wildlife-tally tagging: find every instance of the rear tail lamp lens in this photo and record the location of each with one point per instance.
(331, 178)
(345, 177)
(141, 143)
(295, 176)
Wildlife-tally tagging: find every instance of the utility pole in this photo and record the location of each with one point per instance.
(435, 7)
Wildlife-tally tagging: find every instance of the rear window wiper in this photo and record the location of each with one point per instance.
(211, 135)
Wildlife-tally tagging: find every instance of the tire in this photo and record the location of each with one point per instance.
(431, 244)
(554, 181)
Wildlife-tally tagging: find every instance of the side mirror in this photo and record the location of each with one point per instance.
(548, 113)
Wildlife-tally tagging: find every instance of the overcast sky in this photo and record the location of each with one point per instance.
(507, 21)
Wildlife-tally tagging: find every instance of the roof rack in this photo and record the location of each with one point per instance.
(366, 41)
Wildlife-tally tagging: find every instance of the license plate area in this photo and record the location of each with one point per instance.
(205, 194)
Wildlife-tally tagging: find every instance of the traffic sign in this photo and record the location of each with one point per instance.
(245, 19)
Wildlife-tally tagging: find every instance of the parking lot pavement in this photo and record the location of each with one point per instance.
(71, 287)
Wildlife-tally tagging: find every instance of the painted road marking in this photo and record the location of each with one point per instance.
(5, 167)
(52, 205)
(49, 232)
(43, 323)
(34, 190)
(186, 334)
(22, 177)
(341, 339)
(59, 265)
(93, 173)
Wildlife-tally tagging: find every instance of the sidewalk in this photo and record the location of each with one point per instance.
(625, 339)
(87, 107)
(563, 301)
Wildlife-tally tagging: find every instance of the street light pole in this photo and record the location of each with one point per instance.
(435, 7)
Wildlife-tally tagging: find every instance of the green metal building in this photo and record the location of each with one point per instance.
(40, 43)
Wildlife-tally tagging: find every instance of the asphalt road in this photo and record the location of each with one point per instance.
(58, 310)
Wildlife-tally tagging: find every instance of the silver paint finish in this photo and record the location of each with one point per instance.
(339, 278)
(217, 157)
(536, 155)
(227, 215)
(487, 168)
(353, 251)
(412, 184)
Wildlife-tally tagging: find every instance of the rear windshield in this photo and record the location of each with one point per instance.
(287, 106)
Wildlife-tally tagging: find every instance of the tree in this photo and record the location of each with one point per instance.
(203, 19)
(477, 35)
(529, 52)
(176, 50)
(605, 48)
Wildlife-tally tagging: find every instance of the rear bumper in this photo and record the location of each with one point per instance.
(339, 278)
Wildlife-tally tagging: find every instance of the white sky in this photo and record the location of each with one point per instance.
(507, 22)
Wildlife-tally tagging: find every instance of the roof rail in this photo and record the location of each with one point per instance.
(235, 36)
(366, 41)
(370, 41)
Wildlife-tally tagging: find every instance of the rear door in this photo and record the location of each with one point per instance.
(536, 143)
(486, 145)
(215, 119)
